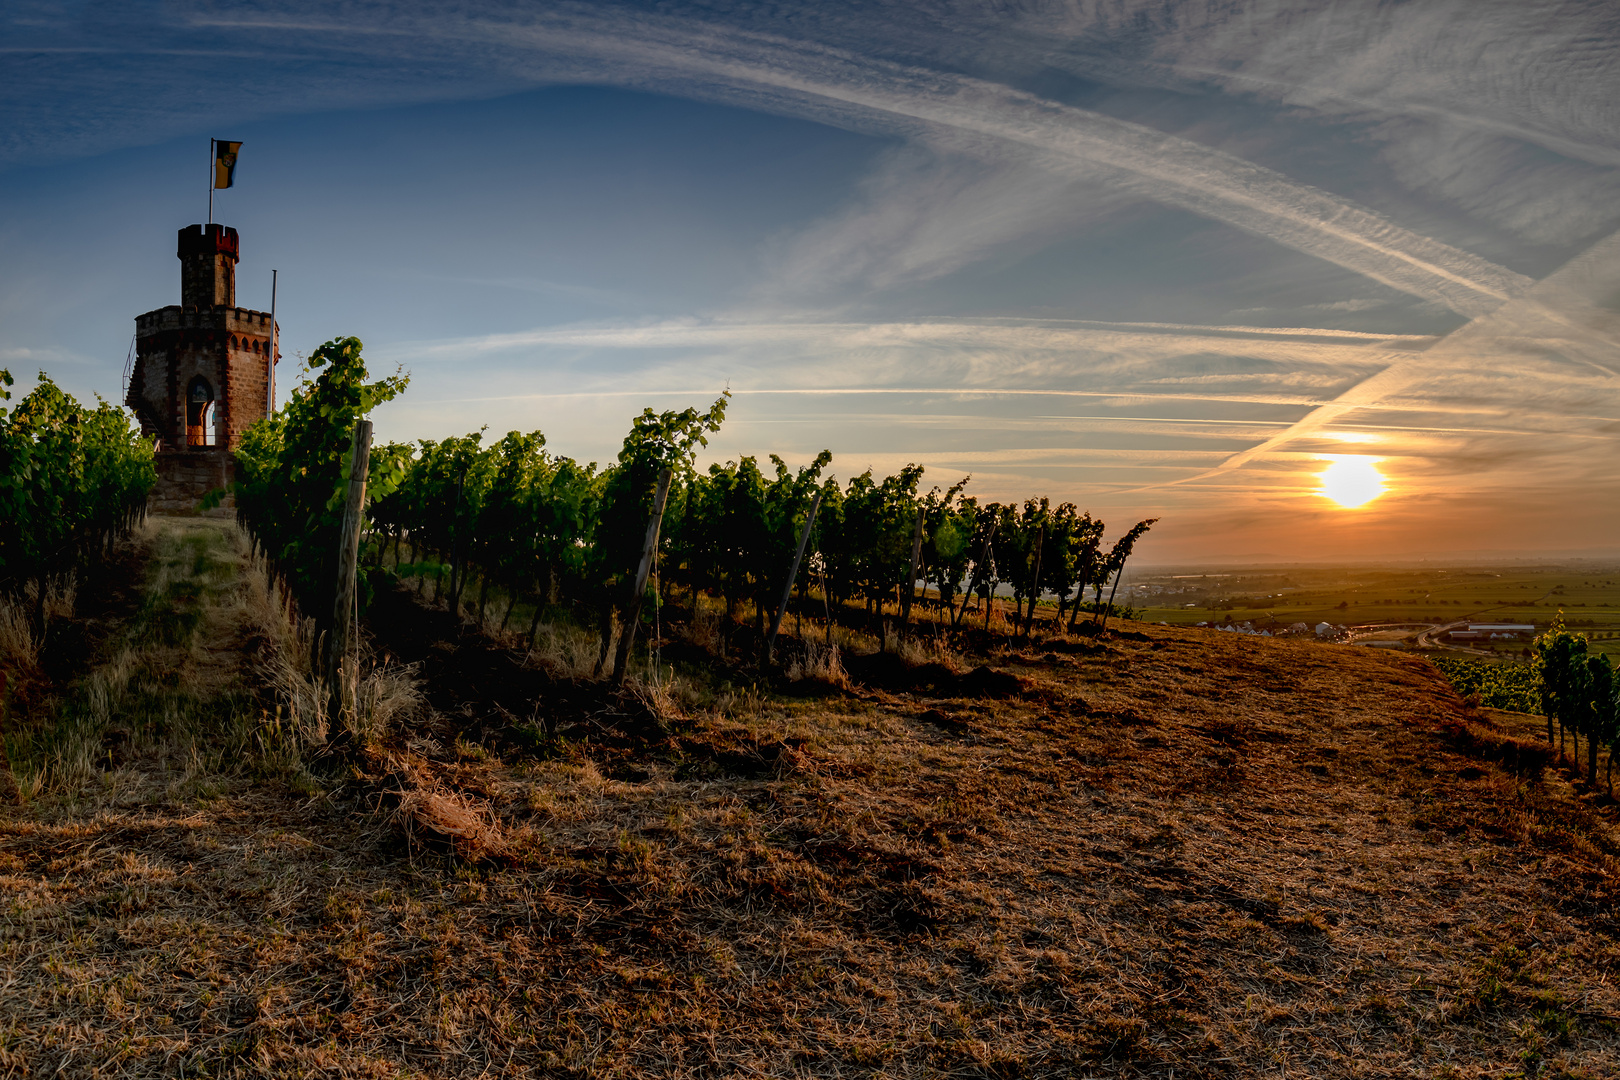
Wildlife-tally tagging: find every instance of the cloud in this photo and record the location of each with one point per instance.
(1300, 368)
(1500, 109)
(975, 116)
(479, 47)
(1293, 344)
(1332, 306)
(41, 358)
(1245, 367)
(1564, 320)
(1531, 72)
(1271, 395)
(924, 212)
(1353, 59)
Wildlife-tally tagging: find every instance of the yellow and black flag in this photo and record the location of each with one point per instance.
(225, 162)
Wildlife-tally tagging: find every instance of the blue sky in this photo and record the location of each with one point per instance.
(1155, 258)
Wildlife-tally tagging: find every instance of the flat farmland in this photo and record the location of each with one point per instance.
(1588, 594)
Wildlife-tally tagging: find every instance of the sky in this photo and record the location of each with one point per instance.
(1168, 259)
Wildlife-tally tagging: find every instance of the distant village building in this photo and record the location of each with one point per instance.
(202, 372)
(1493, 632)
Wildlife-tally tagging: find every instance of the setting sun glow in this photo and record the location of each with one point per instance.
(1352, 481)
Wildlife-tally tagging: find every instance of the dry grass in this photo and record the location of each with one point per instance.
(819, 663)
(18, 649)
(1187, 855)
(386, 695)
(569, 650)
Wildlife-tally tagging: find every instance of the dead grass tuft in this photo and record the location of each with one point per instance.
(439, 819)
(386, 695)
(818, 664)
(19, 652)
(568, 651)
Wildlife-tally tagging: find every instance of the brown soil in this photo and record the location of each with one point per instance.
(1179, 854)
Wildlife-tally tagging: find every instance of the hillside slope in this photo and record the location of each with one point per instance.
(1170, 853)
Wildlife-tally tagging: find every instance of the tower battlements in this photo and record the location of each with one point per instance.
(208, 258)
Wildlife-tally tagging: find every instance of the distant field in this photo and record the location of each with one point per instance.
(1588, 595)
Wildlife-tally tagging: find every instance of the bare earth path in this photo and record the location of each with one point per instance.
(1179, 854)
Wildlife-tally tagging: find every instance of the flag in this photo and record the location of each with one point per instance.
(225, 162)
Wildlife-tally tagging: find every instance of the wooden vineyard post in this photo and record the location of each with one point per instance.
(911, 580)
(1035, 586)
(793, 572)
(978, 572)
(8, 779)
(826, 605)
(649, 550)
(1109, 609)
(340, 671)
(1079, 596)
(456, 547)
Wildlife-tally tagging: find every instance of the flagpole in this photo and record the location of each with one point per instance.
(270, 381)
(210, 181)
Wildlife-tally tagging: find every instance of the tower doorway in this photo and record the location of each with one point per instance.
(199, 414)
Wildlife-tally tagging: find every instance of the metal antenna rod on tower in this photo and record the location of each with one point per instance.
(270, 377)
(211, 181)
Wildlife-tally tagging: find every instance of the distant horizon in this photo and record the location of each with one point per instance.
(1478, 560)
(1317, 280)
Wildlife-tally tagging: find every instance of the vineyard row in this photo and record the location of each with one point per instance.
(547, 528)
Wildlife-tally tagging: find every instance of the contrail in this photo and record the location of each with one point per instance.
(952, 391)
(837, 87)
(1144, 397)
(1021, 332)
(1124, 342)
(1570, 298)
(1572, 148)
(1163, 167)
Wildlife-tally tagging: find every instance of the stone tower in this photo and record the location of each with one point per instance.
(202, 372)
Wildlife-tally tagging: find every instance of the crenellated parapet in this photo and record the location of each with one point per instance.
(234, 320)
(208, 257)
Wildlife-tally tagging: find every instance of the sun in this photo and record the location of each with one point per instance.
(1352, 481)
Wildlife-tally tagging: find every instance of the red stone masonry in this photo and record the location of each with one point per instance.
(209, 341)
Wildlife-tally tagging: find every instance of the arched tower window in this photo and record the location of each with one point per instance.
(199, 413)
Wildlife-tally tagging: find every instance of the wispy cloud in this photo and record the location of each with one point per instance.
(1294, 344)
(973, 116)
(41, 358)
(1562, 319)
(1533, 72)
(926, 212)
